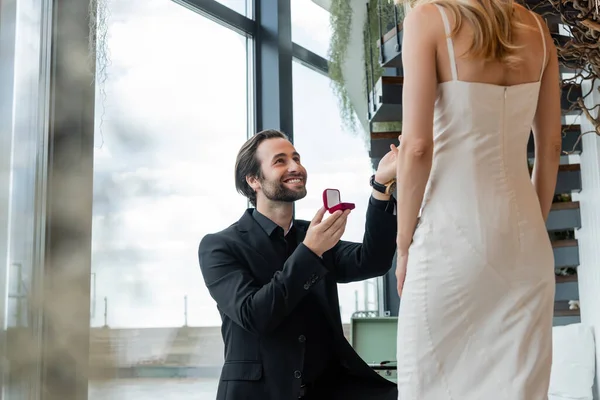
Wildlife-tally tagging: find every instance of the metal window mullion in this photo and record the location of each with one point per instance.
(273, 72)
(309, 59)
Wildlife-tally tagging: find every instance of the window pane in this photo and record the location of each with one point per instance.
(170, 118)
(243, 7)
(336, 159)
(310, 26)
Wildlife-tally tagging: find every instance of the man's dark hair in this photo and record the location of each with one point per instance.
(247, 164)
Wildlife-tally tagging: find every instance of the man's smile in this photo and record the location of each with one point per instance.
(294, 180)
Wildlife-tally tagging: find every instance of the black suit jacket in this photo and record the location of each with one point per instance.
(256, 300)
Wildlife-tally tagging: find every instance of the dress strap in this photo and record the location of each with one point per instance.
(543, 43)
(449, 42)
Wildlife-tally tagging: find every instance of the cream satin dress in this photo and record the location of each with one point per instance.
(475, 319)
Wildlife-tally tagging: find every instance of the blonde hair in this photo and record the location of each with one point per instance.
(493, 22)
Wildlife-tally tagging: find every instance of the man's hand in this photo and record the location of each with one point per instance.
(386, 171)
(323, 235)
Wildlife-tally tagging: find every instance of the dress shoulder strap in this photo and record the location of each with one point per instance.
(449, 42)
(543, 43)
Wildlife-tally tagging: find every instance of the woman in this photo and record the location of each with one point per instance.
(476, 277)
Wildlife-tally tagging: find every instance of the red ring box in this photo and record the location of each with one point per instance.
(332, 201)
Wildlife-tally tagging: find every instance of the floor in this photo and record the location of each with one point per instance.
(150, 389)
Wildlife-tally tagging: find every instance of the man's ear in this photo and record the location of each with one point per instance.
(253, 182)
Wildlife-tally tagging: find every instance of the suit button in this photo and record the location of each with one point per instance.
(306, 286)
(302, 338)
(297, 374)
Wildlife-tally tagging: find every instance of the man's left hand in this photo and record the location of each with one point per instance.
(386, 171)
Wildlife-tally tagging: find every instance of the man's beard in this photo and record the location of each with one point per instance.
(276, 191)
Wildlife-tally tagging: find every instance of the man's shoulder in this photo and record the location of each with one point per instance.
(227, 234)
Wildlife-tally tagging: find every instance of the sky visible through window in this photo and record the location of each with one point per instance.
(171, 114)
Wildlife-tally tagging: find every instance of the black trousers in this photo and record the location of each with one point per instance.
(342, 386)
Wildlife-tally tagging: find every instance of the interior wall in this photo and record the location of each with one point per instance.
(589, 234)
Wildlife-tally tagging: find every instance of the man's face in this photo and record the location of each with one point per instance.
(283, 176)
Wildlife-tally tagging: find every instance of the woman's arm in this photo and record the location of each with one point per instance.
(418, 100)
(547, 130)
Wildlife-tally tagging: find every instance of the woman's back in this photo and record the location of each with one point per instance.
(531, 60)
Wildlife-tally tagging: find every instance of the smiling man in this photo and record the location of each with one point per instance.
(274, 280)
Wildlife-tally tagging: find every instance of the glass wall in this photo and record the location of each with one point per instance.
(334, 158)
(23, 106)
(170, 117)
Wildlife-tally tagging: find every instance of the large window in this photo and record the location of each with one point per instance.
(171, 113)
(336, 159)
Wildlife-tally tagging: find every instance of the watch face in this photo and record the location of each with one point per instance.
(391, 188)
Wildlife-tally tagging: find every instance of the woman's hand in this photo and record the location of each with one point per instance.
(401, 271)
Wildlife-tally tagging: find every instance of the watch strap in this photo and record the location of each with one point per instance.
(385, 188)
(377, 186)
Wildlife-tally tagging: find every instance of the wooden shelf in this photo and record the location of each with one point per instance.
(564, 216)
(392, 80)
(561, 309)
(565, 205)
(565, 278)
(564, 243)
(385, 103)
(564, 168)
(393, 135)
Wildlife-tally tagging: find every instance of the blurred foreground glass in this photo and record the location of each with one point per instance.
(171, 114)
(24, 79)
(337, 159)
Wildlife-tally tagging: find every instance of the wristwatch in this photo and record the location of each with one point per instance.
(386, 188)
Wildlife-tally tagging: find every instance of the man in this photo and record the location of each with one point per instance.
(274, 280)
